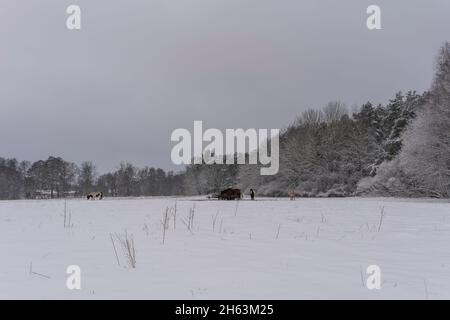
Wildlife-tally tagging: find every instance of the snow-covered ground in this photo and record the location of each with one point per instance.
(264, 249)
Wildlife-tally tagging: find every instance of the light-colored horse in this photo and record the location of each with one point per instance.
(291, 194)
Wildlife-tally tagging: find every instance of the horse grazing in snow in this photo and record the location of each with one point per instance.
(95, 196)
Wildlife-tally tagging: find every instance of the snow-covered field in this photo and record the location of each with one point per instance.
(264, 249)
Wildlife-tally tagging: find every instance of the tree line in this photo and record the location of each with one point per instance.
(57, 178)
(325, 152)
(398, 149)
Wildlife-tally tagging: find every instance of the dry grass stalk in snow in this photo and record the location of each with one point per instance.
(37, 273)
(115, 250)
(190, 220)
(214, 220)
(165, 224)
(237, 207)
(278, 231)
(128, 247)
(221, 224)
(174, 214)
(382, 214)
(67, 216)
(363, 284)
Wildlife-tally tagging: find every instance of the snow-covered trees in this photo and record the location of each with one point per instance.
(425, 155)
(53, 175)
(324, 152)
(11, 179)
(86, 177)
(327, 155)
(57, 178)
(399, 113)
(417, 148)
(401, 149)
(205, 178)
(128, 180)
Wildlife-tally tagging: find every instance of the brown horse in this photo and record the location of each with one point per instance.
(230, 194)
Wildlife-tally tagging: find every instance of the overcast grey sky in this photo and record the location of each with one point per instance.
(137, 70)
